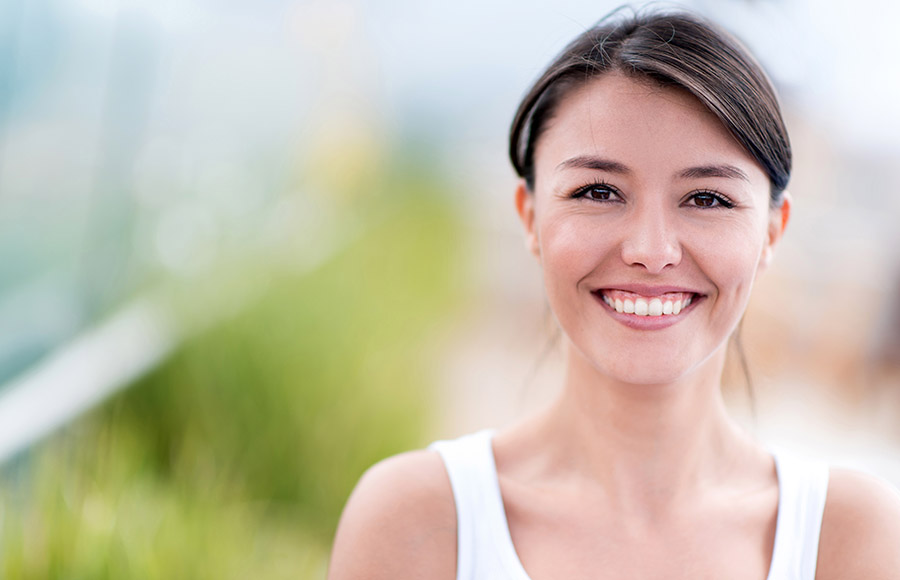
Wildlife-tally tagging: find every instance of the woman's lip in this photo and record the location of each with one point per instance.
(649, 291)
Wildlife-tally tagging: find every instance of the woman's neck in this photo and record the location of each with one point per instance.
(647, 445)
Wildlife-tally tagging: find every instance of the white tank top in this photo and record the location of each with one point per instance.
(485, 550)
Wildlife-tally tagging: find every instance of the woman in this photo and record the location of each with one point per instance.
(654, 161)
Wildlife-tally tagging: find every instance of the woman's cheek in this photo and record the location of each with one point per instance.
(730, 259)
(569, 244)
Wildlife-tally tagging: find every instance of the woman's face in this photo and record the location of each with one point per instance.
(650, 222)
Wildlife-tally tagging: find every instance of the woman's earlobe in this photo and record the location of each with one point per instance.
(525, 209)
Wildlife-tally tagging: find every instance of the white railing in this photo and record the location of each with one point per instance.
(81, 374)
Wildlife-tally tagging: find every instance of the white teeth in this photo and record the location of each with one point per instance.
(659, 306)
(641, 308)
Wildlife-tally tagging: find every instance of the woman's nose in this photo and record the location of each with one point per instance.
(651, 242)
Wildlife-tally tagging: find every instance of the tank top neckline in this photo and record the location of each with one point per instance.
(508, 550)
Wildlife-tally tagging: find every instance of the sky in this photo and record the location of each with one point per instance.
(456, 60)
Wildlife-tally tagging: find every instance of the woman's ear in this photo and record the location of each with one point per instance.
(525, 209)
(778, 220)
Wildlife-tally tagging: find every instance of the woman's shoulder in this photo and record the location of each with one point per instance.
(400, 522)
(860, 535)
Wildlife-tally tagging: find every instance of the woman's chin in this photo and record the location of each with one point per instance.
(650, 370)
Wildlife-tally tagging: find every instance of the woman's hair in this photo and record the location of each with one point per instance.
(673, 49)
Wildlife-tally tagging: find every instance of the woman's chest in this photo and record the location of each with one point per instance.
(574, 541)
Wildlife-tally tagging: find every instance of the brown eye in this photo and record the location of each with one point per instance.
(708, 199)
(597, 192)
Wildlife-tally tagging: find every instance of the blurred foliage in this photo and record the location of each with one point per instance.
(233, 459)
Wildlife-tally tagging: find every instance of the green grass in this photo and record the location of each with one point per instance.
(233, 458)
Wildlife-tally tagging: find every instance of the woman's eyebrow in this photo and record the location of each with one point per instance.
(593, 162)
(724, 170)
(602, 164)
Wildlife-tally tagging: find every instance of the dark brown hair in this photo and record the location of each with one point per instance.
(671, 48)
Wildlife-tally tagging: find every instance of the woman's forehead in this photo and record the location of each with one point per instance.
(640, 123)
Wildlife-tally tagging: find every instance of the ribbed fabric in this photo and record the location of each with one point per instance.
(486, 552)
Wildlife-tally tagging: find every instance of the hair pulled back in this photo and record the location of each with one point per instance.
(670, 48)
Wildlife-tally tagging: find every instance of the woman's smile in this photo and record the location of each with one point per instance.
(650, 308)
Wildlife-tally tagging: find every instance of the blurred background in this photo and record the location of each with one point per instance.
(249, 249)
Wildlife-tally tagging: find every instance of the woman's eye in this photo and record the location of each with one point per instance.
(597, 193)
(708, 199)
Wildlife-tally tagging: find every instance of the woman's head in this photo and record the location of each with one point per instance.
(671, 49)
(650, 214)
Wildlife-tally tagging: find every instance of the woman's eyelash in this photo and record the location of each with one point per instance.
(708, 198)
(601, 191)
(597, 191)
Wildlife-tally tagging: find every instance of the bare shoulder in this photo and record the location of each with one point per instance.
(400, 522)
(860, 535)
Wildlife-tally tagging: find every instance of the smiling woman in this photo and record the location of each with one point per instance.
(654, 162)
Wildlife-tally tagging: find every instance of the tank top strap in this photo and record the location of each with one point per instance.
(802, 488)
(484, 546)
